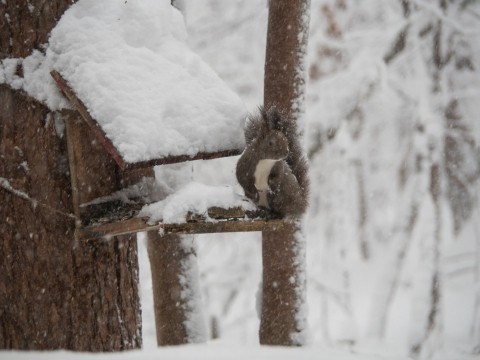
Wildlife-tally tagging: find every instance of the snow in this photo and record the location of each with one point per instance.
(5, 184)
(211, 351)
(195, 324)
(196, 198)
(303, 335)
(130, 64)
(363, 116)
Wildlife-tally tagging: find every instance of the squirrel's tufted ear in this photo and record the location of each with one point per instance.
(274, 118)
(264, 115)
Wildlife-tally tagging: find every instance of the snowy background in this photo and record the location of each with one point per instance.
(391, 268)
(393, 136)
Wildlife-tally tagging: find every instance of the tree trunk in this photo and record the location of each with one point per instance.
(282, 316)
(55, 293)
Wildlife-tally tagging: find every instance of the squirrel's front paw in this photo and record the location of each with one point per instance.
(266, 213)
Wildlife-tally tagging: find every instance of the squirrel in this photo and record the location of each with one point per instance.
(273, 170)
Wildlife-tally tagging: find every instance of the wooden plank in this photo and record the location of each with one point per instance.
(184, 158)
(220, 220)
(117, 211)
(92, 123)
(222, 226)
(112, 150)
(96, 173)
(72, 162)
(140, 224)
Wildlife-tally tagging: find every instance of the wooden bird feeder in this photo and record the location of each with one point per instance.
(111, 173)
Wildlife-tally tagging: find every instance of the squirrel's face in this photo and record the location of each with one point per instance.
(273, 146)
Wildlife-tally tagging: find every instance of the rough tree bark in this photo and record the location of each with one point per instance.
(55, 293)
(282, 320)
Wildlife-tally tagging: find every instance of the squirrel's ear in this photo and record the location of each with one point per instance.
(264, 115)
(274, 118)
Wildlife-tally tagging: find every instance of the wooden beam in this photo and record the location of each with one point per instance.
(72, 162)
(219, 220)
(112, 150)
(222, 226)
(140, 225)
(183, 158)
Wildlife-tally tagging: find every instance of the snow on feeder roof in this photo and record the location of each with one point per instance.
(153, 98)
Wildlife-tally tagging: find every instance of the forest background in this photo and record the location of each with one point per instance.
(392, 136)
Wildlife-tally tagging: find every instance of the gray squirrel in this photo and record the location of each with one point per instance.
(272, 169)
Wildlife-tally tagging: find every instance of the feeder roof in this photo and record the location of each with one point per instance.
(129, 64)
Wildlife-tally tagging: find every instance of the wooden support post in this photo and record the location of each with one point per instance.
(278, 316)
(93, 173)
(69, 117)
(165, 259)
(282, 318)
(173, 277)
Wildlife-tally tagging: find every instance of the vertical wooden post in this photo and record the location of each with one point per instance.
(282, 317)
(165, 257)
(177, 316)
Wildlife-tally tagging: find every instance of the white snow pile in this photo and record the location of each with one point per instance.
(210, 351)
(129, 63)
(196, 198)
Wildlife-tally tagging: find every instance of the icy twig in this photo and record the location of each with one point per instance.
(438, 13)
(5, 184)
